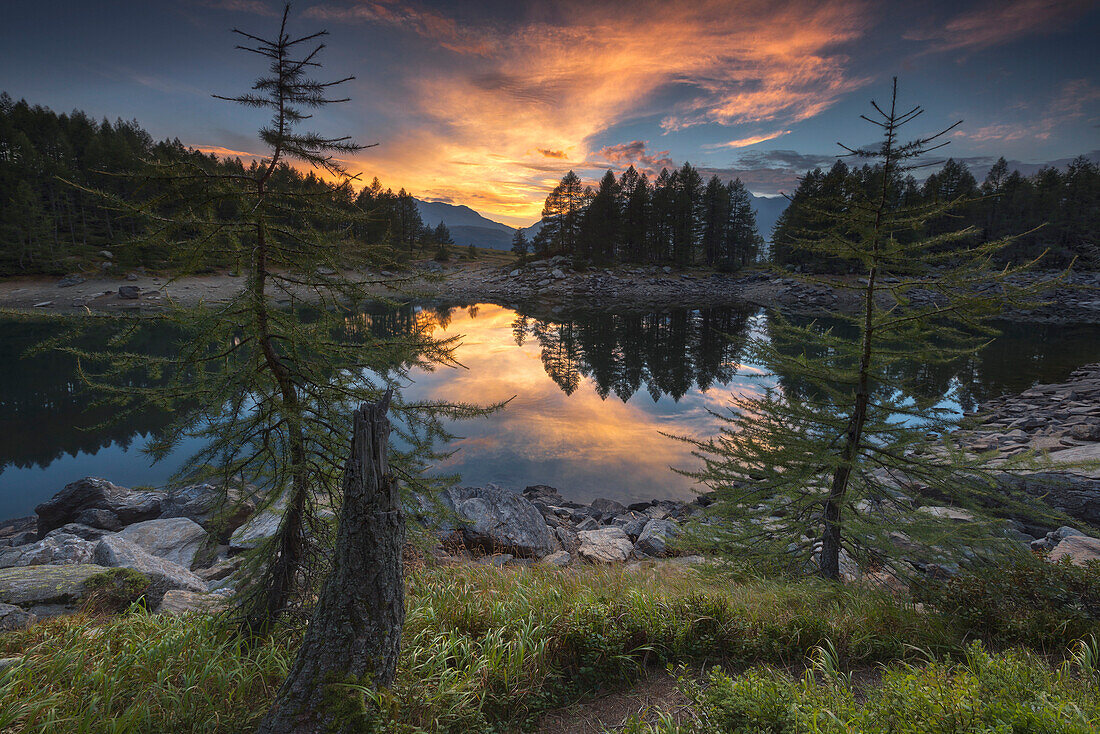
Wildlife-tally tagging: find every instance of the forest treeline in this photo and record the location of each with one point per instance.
(52, 222)
(54, 168)
(678, 219)
(1052, 211)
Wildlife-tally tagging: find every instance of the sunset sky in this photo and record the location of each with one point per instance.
(487, 104)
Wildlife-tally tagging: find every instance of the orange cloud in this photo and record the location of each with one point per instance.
(481, 115)
(753, 140)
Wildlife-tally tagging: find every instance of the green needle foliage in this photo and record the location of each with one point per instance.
(832, 465)
(268, 380)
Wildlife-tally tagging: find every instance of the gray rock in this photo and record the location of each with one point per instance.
(606, 545)
(496, 520)
(178, 601)
(216, 510)
(128, 505)
(116, 552)
(221, 569)
(14, 531)
(57, 550)
(1074, 494)
(632, 523)
(560, 559)
(97, 517)
(7, 663)
(653, 540)
(1085, 431)
(70, 280)
(587, 523)
(1054, 537)
(176, 539)
(14, 618)
(32, 586)
(568, 538)
(80, 531)
(606, 507)
(129, 292)
(254, 532)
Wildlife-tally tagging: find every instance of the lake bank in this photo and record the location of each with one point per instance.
(545, 283)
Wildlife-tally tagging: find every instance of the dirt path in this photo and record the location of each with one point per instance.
(657, 694)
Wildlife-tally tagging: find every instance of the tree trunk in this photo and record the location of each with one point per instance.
(355, 633)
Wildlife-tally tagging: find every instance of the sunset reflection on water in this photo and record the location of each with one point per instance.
(585, 445)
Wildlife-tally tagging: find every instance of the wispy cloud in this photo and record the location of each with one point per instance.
(746, 142)
(254, 7)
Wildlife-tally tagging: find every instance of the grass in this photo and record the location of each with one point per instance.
(489, 649)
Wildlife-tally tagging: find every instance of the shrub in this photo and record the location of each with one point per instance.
(1027, 602)
(114, 590)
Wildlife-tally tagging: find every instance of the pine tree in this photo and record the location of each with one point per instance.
(833, 464)
(687, 214)
(601, 223)
(520, 246)
(634, 205)
(561, 216)
(742, 242)
(716, 221)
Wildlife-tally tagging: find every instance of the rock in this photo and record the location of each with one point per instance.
(221, 569)
(653, 540)
(131, 276)
(97, 517)
(116, 552)
(666, 269)
(1079, 549)
(588, 523)
(7, 663)
(14, 618)
(514, 273)
(256, 531)
(323, 270)
(107, 254)
(557, 274)
(22, 538)
(129, 292)
(1076, 495)
(606, 545)
(1085, 431)
(80, 531)
(177, 601)
(560, 559)
(32, 586)
(17, 527)
(216, 510)
(497, 520)
(56, 550)
(176, 539)
(569, 539)
(93, 493)
(606, 507)
(947, 513)
(1054, 537)
(632, 522)
(70, 280)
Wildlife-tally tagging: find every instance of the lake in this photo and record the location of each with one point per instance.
(592, 392)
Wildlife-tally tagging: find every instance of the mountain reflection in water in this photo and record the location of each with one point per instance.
(593, 390)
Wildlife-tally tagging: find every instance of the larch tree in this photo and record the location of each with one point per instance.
(832, 467)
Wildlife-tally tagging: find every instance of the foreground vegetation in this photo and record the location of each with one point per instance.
(489, 649)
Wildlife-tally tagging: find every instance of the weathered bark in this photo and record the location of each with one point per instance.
(355, 633)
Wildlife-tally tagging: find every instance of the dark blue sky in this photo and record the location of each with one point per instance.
(488, 104)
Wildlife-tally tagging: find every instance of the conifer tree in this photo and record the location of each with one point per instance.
(520, 246)
(601, 224)
(742, 241)
(268, 388)
(834, 464)
(634, 206)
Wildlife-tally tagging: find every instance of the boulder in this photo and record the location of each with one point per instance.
(15, 531)
(97, 517)
(254, 532)
(70, 280)
(57, 550)
(216, 510)
(1075, 494)
(653, 540)
(130, 292)
(178, 601)
(1079, 549)
(93, 493)
(14, 618)
(496, 520)
(568, 538)
(606, 545)
(559, 558)
(606, 507)
(1053, 538)
(632, 522)
(176, 539)
(80, 531)
(32, 586)
(116, 552)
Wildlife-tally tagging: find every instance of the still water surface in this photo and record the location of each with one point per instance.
(592, 393)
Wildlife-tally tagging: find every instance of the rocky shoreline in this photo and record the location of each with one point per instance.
(550, 282)
(190, 549)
